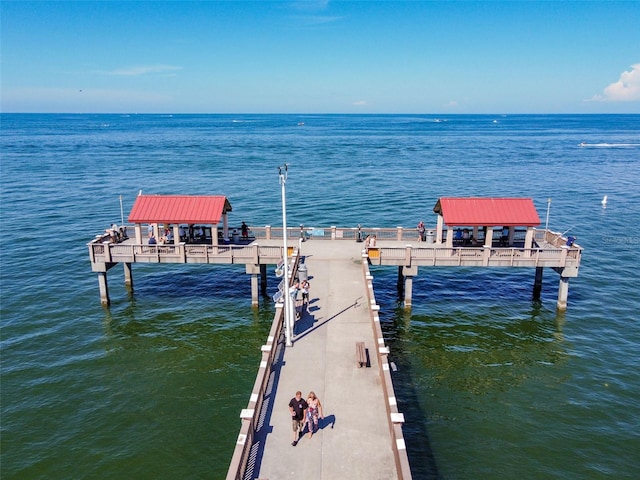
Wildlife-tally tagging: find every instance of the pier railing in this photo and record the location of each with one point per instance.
(558, 257)
(107, 253)
(395, 418)
(550, 250)
(400, 234)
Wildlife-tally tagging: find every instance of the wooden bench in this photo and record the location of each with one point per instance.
(361, 354)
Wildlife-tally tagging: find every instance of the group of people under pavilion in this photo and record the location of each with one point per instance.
(177, 218)
(468, 221)
(472, 221)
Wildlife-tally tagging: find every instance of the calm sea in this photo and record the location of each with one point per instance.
(492, 385)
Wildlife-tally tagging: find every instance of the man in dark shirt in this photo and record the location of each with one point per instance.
(297, 407)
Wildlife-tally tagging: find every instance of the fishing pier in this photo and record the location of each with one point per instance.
(360, 407)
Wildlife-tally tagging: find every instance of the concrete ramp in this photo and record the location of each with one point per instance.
(354, 440)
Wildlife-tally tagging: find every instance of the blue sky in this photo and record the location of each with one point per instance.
(320, 57)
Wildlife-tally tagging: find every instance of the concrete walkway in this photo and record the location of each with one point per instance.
(353, 440)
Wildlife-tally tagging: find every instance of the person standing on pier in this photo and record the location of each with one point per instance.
(298, 410)
(314, 411)
(305, 286)
(421, 229)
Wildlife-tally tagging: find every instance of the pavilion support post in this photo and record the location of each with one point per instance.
(128, 275)
(176, 234)
(263, 278)
(488, 240)
(225, 228)
(439, 229)
(563, 293)
(537, 284)
(138, 230)
(214, 235)
(449, 241)
(104, 289)
(528, 242)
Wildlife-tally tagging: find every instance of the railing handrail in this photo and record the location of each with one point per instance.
(383, 233)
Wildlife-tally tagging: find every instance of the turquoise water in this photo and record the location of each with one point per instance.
(492, 384)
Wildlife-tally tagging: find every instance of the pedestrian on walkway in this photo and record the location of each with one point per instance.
(305, 286)
(421, 230)
(298, 410)
(294, 289)
(297, 304)
(314, 411)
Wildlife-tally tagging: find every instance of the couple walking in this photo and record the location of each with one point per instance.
(303, 287)
(304, 412)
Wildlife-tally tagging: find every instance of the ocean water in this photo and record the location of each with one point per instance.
(493, 385)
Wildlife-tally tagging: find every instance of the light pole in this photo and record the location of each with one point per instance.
(546, 224)
(288, 309)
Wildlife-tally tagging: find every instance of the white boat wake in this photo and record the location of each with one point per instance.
(609, 145)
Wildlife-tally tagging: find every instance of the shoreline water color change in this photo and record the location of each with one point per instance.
(492, 384)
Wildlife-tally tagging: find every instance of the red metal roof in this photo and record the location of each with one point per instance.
(179, 209)
(490, 212)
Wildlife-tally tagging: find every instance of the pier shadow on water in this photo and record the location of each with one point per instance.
(421, 456)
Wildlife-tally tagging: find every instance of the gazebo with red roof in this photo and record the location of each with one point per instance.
(179, 210)
(481, 212)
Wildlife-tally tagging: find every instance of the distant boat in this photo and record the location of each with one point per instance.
(300, 124)
(604, 201)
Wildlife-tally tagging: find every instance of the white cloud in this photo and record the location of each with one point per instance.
(626, 89)
(143, 70)
(307, 5)
(360, 103)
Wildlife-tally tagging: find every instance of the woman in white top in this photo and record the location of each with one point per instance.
(314, 411)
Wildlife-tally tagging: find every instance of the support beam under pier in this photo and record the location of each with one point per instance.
(400, 282)
(254, 271)
(104, 289)
(563, 293)
(128, 276)
(409, 273)
(537, 284)
(263, 278)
